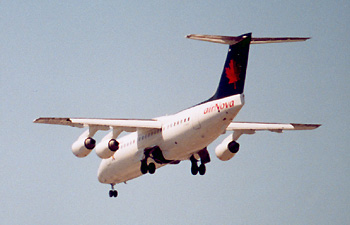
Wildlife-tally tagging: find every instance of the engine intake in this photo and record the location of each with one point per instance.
(233, 147)
(113, 145)
(90, 143)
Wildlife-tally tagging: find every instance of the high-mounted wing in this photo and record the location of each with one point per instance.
(229, 147)
(129, 125)
(106, 148)
(249, 127)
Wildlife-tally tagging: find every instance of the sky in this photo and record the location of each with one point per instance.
(116, 59)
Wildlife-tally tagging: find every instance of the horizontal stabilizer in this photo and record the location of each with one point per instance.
(231, 40)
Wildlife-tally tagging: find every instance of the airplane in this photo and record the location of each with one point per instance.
(153, 143)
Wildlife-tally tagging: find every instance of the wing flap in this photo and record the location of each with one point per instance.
(245, 127)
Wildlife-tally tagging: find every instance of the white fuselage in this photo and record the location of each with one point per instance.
(182, 135)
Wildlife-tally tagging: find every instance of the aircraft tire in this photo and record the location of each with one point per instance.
(113, 193)
(144, 168)
(194, 169)
(202, 169)
(151, 168)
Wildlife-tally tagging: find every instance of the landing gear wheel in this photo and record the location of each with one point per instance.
(151, 168)
(144, 167)
(202, 169)
(194, 169)
(113, 193)
(194, 165)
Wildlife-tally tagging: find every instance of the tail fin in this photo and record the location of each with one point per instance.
(233, 74)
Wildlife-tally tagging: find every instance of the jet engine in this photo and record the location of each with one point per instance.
(83, 146)
(227, 149)
(107, 147)
(85, 143)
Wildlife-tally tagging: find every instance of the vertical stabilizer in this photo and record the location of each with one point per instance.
(233, 74)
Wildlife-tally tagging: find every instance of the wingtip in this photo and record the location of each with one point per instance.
(36, 120)
(306, 126)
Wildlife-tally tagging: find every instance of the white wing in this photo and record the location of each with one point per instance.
(251, 127)
(128, 125)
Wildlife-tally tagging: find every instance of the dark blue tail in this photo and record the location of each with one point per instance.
(233, 75)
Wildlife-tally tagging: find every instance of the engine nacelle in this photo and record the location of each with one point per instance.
(83, 146)
(227, 149)
(107, 147)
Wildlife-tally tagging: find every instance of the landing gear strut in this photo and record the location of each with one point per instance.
(113, 193)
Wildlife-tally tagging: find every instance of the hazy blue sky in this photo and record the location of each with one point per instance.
(131, 60)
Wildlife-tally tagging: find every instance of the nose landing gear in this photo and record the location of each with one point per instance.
(113, 193)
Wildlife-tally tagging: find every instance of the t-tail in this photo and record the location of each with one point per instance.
(233, 75)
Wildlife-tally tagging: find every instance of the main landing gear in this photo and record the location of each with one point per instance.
(195, 168)
(205, 158)
(151, 168)
(156, 154)
(113, 193)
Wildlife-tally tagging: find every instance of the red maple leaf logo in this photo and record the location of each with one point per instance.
(232, 73)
